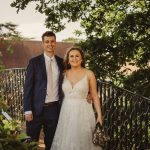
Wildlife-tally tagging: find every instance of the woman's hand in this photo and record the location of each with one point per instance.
(99, 119)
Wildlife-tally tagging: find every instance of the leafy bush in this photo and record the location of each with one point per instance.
(11, 135)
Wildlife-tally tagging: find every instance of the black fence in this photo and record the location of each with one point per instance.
(126, 115)
(11, 91)
(126, 118)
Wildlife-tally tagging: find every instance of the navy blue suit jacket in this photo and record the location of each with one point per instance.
(36, 84)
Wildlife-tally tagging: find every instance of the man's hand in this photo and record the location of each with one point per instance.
(89, 98)
(28, 117)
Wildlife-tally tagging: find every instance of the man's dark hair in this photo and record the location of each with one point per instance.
(48, 33)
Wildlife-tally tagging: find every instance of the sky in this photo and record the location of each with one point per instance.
(31, 23)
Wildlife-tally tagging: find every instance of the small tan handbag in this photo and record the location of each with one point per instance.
(99, 136)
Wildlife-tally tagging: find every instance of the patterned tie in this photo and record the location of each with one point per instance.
(49, 79)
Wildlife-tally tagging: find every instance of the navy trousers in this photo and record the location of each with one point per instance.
(47, 121)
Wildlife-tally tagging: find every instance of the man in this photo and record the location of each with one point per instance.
(42, 93)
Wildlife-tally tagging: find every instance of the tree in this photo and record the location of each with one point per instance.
(118, 32)
(11, 135)
(8, 32)
(71, 40)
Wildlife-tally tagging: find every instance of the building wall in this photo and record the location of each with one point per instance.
(24, 50)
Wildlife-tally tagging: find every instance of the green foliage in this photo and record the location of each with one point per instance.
(71, 40)
(8, 31)
(140, 80)
(3, 104)
(118, 32)
(11, 135)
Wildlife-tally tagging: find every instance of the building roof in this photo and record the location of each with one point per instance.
(24, 50)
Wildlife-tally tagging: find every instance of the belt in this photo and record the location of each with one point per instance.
(51, 103)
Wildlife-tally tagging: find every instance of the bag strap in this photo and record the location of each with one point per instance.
(98, 125)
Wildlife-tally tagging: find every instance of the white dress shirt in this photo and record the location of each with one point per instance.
(55, 77)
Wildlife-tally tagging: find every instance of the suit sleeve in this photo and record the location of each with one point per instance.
(28, 87)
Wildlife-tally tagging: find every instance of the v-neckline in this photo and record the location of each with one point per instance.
(73, 85)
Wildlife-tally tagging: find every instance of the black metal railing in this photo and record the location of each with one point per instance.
(126, 118)
(11, 90)
(126, 115)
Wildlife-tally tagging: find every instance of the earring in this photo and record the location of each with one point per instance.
(68, 65)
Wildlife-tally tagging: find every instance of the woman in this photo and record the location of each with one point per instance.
(77, 121)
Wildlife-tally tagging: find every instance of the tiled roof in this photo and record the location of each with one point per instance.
(24, 50)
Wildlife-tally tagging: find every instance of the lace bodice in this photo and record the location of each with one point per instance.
(77, 91)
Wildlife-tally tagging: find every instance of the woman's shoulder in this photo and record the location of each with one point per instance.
(89, 73)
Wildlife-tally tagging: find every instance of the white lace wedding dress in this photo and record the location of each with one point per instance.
(76, 121)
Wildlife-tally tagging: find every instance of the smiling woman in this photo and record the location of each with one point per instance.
(77, 121)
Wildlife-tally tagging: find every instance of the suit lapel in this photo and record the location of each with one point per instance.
(59, 63)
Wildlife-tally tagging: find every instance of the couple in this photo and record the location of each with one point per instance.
(50, 85)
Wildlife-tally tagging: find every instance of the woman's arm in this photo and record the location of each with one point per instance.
(94, 94)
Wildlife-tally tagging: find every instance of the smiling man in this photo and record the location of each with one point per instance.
(41, 91)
